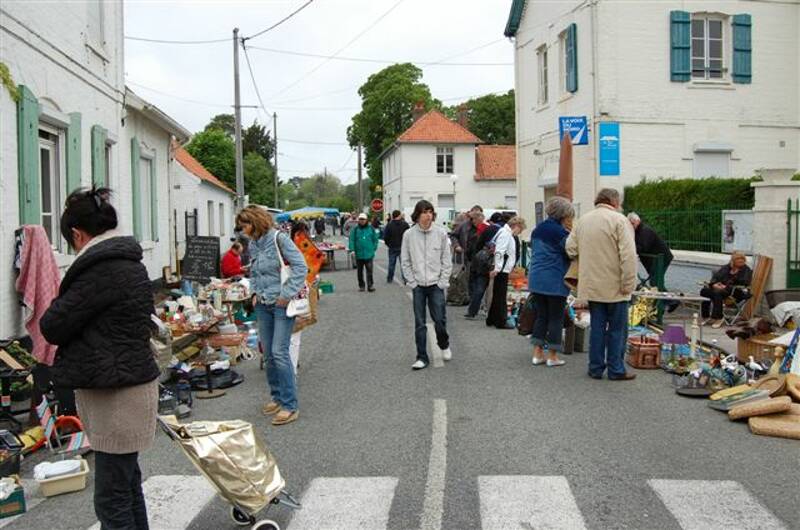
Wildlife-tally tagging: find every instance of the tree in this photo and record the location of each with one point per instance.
(387, 100)
(259, 179)
(223, 122)
(215, 150)
(491, 117)
(256, 139)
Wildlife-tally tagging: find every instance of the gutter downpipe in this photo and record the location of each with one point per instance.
(595, 98)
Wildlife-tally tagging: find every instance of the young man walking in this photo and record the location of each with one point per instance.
(363, 243)
(426, 265)
(393, 237)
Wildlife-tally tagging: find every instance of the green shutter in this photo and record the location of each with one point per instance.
(74, 152)
(137, 199)
(30, 199)
(680, 25)
(99, 135)
(572, 58)
(742, 49)
(153, 199)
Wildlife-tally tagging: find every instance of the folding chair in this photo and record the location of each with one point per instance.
(733, 309)
(57, 443)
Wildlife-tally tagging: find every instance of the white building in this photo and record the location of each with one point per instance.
(67, 121)
(441, 161)
(670, 89)
(203, 204)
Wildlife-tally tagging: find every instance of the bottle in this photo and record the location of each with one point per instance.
(695, 333)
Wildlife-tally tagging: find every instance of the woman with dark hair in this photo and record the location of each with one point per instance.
(100, 322)
(272, 294)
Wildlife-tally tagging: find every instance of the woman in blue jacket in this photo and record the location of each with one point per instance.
(549, 264)
(272, 296)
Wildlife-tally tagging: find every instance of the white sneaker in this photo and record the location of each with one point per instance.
(447, 354)
(419, 365)
(559, 362)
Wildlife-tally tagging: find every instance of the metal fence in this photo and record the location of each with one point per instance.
(695, 229)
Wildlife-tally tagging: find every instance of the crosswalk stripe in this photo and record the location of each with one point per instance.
(173, 501)
(713, 505)
(527, 501)
(336, 503)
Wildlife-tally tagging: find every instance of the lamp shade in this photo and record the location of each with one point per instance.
(674, 335)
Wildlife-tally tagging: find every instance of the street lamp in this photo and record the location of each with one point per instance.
(454, 179)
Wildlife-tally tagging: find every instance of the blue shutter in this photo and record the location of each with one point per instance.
(742, 49)
(572, 58)
(30, 198)
(680, 25)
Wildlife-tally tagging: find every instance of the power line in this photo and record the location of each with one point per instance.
(312, 142)
(340, 50)
(370, 60)
(253, 77)
(278, 23)
(179, 98)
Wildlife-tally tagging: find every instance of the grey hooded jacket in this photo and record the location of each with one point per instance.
(425, 257)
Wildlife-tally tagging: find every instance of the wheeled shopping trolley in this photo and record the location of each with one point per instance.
(237, 463)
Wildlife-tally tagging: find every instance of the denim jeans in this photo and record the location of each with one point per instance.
(275, 332)
(607, 339)
(549, 324)
(118, 498)
(394, 259)
(477, 288)
(432, 297)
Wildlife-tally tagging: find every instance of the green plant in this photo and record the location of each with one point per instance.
(8, 82)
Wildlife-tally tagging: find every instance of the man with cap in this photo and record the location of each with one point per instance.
(363, 243)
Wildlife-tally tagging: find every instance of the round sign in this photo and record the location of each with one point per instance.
(377, 205)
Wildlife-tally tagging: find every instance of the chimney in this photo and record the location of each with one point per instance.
(462, 115)
(418, 111)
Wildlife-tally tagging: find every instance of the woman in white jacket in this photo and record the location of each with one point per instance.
(506, 255)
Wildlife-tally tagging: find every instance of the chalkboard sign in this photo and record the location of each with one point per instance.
(201, 260)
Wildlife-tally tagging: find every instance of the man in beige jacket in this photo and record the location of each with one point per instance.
(604, 245)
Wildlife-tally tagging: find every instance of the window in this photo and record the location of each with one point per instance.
(511, 202)
(568, 59)
(221, 219)
(707, 47)
(50, 183)
(444, 160)
(145, 192)
(95, 22)
(711, 164)
(210, 209)
(541, 55)
(446, 201)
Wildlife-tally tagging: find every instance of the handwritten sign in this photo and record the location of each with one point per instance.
(201, 260)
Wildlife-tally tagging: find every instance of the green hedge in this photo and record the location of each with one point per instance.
(687, 213)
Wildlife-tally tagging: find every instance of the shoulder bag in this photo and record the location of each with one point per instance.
(299, 305)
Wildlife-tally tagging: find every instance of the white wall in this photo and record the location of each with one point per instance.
(661, 122)
(44, 46)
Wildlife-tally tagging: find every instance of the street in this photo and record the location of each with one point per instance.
(484, 441)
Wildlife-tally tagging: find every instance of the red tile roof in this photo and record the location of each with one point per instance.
(196, 168)
(496, 162)
(434, 127)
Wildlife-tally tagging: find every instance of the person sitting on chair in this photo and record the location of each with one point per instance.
(733, 280)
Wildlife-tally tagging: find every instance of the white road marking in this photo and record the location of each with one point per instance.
(433, 507)
(526, 501)
(436, 353)
(337, 503)
(714, 505)
(32, 499)
(173, 501)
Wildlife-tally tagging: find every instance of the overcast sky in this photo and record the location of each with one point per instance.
(311, 106)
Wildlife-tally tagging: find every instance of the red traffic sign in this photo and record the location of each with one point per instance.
(377, 205)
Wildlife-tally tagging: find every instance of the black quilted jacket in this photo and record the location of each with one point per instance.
(101, 319)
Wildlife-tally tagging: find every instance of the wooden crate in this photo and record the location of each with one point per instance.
(758, 347)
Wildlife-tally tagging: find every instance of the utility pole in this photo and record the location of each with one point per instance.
(275, 149)
(360, 189)
(237, 110)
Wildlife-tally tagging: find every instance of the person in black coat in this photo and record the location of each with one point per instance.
(101, 323)
(648, 245)
(732, 279)
(393, 237)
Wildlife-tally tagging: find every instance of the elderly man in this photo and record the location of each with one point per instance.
(460, 235)
(603, 242)
(649, 245)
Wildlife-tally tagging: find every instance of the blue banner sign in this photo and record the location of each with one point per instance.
(608, 135)
(576, 125)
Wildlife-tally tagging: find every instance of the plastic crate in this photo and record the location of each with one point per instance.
(326, 287)
(50, 487)
(14, 504)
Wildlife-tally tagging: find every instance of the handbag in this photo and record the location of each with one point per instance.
(299, 305)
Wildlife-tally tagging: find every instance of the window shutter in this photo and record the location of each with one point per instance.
(99, 136)
(137, 199)
(30, 207)
(680, 43)
(742, 49)
(74, 152)
(572, 58)
(153, 199)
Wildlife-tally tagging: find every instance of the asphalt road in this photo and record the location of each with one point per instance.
(485, 441)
